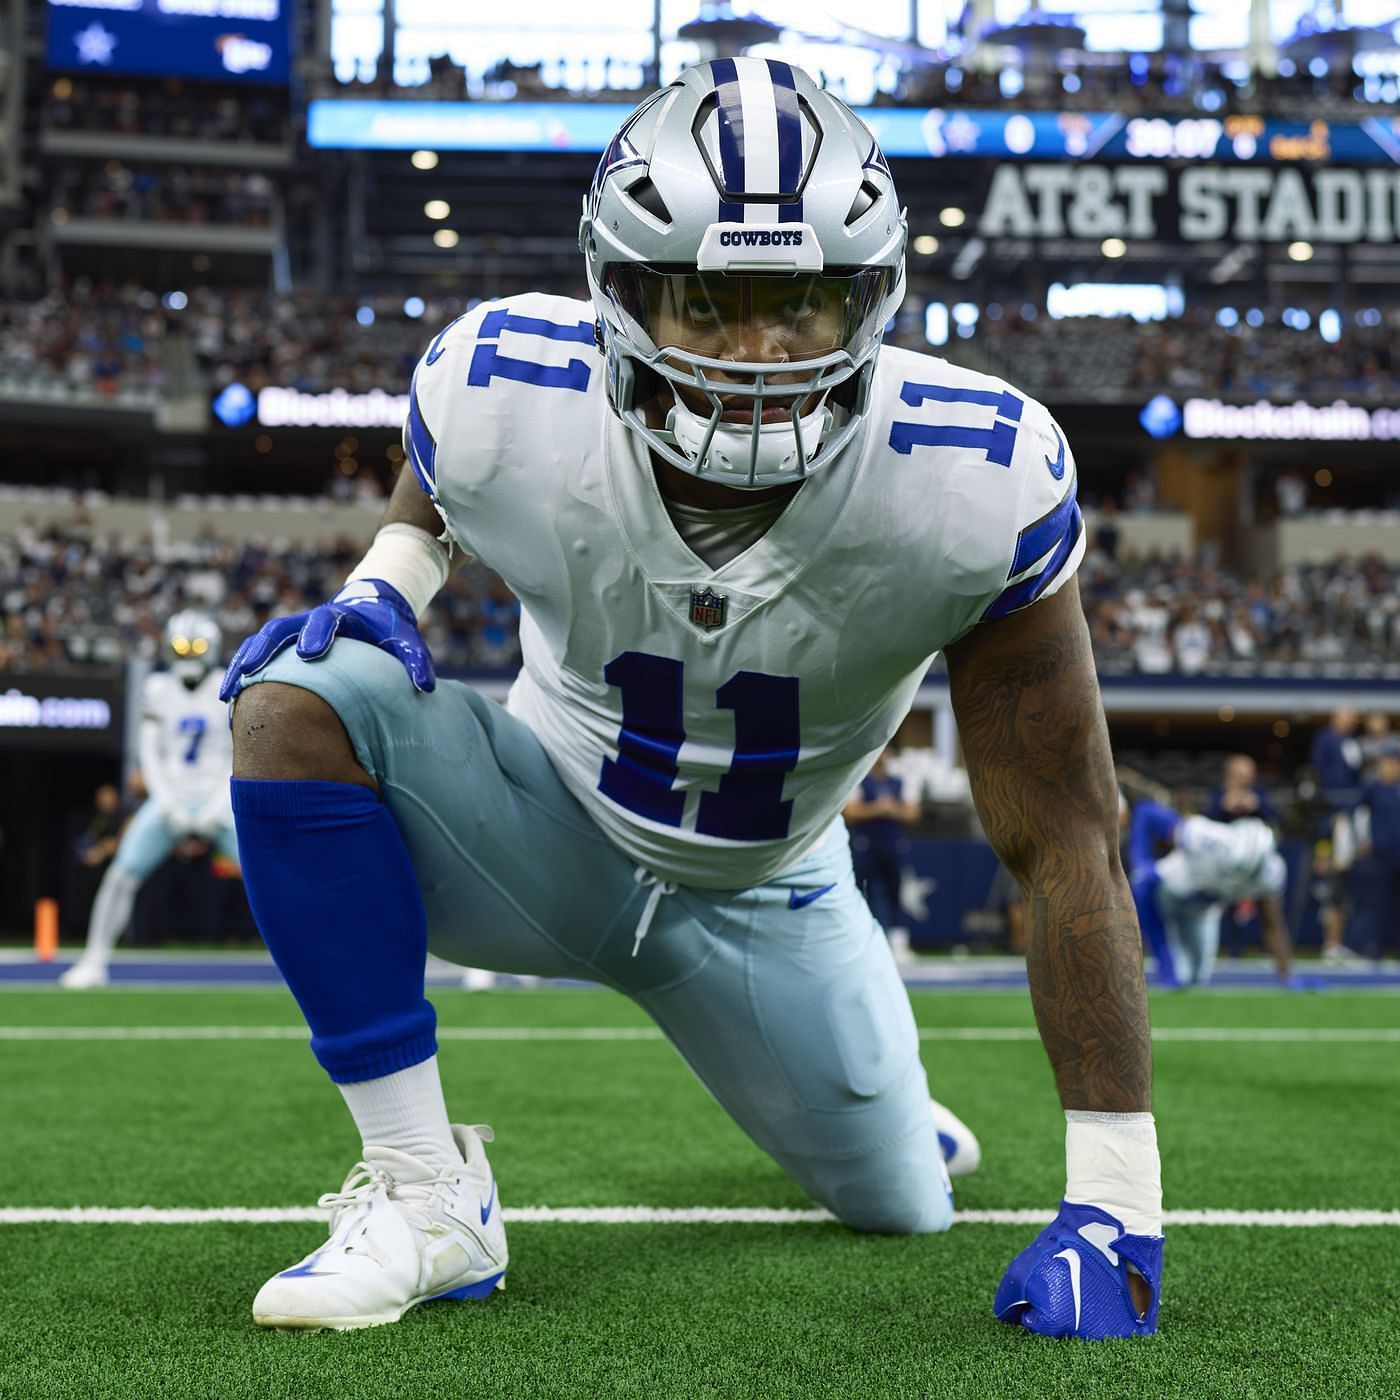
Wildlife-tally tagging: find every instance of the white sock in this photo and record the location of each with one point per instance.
(405, 1111)
(111, 913)
(1112, 1162)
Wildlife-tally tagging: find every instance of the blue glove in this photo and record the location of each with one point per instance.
(368, 610)
(1072, 1281)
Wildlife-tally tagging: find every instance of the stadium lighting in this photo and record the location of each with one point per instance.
(1322, 477)
(175, 301)
(952, 217)
(365, 315)
(437, 208)
(445, 237)
(1113, 247)
(936, 323)
(424, 160)
(1227, 317)
(414, 307)
(1254, 316)
(926, 243)
(1300, 251)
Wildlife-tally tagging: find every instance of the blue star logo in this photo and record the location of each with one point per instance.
(235, 405)
(95, 44)
(1161, 417)
(960, 134)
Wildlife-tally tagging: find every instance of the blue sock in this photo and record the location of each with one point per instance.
(333, 891)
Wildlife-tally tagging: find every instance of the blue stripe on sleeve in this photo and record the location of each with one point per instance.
(422, 450)
(730, 125)
(789, 139)
(1029, 589)
(1036, 540)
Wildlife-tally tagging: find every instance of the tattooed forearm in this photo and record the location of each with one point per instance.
(1036, 745)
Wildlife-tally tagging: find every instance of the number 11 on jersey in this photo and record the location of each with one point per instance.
(748, 805)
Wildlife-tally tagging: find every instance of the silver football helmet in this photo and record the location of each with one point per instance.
(745, 251)
(193, 645)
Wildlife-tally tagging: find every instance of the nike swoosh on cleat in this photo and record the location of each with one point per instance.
(801, 901)
(490, 1201)
(1057, 467)
(304, 1269)
(1071, 1258)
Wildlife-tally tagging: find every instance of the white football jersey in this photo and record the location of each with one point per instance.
(1223, 862)
(194, 744)
(714, 721)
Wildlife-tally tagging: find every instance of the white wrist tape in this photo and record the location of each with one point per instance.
(1111, 1161)
(411, 560)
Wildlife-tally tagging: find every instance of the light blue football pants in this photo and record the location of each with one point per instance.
(147, 842)
(1192, 929)
(795, 1019)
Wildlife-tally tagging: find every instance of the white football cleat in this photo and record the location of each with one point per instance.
(962, 1153)
(402, 1233)
(86, 972)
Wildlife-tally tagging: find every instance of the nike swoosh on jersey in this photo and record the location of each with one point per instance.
(1057, 467)
(490, 1201)
(436, 349)
(1071, 1258)
(806, 897)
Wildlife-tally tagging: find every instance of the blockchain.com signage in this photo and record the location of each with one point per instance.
(1262, 421)
(237, 406)
(44, 711)
(1200, 203)
(231, 40)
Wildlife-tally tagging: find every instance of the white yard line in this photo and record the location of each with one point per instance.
(659, 1215)
(1281, 1035)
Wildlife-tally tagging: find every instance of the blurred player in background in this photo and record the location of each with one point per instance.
(1186, 870)
(186, 758)
(878, 814)
(1337, 758)
(1375, 876)
(1239, 794)
(738, 537)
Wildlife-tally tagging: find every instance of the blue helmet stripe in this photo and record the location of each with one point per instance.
(731, 137)
(789, 139)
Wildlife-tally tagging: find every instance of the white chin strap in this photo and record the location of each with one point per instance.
(770, 459)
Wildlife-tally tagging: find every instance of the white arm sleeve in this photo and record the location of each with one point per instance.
(152, 763)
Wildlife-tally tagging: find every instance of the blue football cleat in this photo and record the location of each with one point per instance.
(1072, 1280)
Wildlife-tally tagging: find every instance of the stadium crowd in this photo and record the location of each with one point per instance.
(1151, 85)
(194, 194)
(105, 337)
(70, 597)
(169, 108)
(1119, 358)
(1160, 616)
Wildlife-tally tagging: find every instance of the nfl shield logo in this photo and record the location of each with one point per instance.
(707, 608)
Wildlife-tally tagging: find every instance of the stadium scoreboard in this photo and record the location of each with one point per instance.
(228, 40)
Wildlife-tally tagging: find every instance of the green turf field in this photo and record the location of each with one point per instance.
(680, 1309)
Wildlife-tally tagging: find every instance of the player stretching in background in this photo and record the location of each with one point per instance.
(878, 814)
(1181, 893)
(186, 757)
(738, 536)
